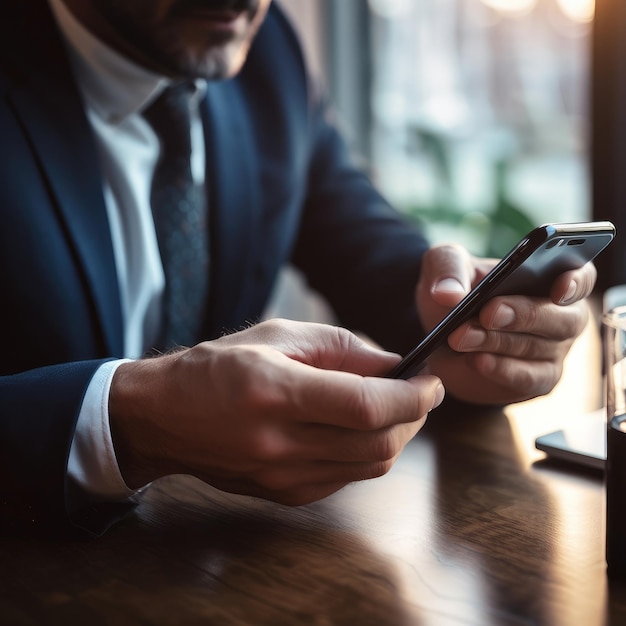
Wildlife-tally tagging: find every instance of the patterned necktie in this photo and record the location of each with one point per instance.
(180, 219)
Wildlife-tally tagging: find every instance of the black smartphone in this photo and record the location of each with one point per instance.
(528, 269)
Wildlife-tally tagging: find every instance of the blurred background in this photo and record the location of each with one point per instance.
(481, 118)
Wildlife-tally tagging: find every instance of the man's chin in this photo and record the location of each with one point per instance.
(214, 62)
(220, 64)
(211, 65)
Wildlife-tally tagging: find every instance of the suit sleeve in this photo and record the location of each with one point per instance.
(38, 412)
(354, 248)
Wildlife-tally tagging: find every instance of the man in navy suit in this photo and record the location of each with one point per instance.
(281, 410)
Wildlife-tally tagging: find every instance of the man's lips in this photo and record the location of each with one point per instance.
(224, 19)
(216, 16)
(222, 23)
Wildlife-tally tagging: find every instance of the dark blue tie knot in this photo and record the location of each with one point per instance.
(170, 117)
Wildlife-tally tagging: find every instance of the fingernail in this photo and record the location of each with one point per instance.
(503, 317)
(439, 396)
(449, 285)
(569, 294)
(474, 337)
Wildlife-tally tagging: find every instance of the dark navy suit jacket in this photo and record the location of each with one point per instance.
(282, 189)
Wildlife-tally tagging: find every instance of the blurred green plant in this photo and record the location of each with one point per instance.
(500, 226)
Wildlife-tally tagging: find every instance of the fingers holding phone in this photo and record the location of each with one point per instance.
(575, 285)
(448, 273)
(284, 410)
(513, 351)
(506, 339)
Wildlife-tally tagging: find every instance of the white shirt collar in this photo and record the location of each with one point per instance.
(113, 86)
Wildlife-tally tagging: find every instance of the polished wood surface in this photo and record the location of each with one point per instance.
(472, 526)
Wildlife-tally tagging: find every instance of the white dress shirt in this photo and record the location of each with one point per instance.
(115, 91)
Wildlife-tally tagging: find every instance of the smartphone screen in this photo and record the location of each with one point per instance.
(529, 269)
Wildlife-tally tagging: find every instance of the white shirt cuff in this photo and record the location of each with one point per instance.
(92, 463)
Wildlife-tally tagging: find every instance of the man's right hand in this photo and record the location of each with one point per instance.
(286, 411)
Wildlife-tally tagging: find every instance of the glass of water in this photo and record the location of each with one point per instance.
(614, 350)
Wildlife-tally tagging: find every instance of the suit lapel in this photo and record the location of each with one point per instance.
(233, 202)
(61, 139)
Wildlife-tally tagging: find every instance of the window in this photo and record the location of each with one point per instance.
(476, 114)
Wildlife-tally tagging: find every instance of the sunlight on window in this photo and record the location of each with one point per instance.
(511, 6)
(578, 10)
(480, 112)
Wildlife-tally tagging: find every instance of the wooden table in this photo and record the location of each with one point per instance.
(470, 527)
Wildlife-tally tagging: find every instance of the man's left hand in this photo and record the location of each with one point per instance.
(515, 349)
